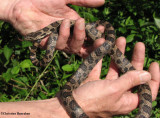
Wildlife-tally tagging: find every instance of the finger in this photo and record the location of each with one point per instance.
(43, 43)
(78, 36)
(95, 73)
(63, 35)
(96, 44)
(113, 70)
(154, 69)
(138, 56)
(130, 80)
(86, 3)
(100, 41)
(127, 103)
(85, 51)
(101, 28)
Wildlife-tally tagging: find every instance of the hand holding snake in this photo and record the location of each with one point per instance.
(39, 13)
(20, 19)
(104, 102)
(115, 102)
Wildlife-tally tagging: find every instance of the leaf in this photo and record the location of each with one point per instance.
(26, 44)
(17, 52)
(130, 38)
(128, 48)
(8, 75)
(158, 41)
(89, 16)
(42, 95)
(26, 64)
(157, 22)
(23, 80)
(76, 66)
(143, 29)
(68, 68)
(15, 70)
(128, 20)
(141, 22)
(15, 62)
(106, 11)
(44, 88)
(66, 76)
(23, 92)
(13, 98)
(7, 52)
(57, 62)
(1, 51)
(76, 8)
(122, 30)
(3, 98)
(154, 103)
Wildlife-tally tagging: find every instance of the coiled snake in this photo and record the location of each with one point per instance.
(108, 47)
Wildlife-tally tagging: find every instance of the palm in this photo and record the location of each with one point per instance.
(32, 15)
(37, 14)
(55, 9)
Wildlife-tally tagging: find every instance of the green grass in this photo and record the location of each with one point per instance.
(20, 80)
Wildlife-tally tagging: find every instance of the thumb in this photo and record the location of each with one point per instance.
(86, 3)
(96, 71)
(132, 79)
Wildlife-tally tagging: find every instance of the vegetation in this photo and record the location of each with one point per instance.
(21, 80)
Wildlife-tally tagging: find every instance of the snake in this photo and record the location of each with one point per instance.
(107, 48)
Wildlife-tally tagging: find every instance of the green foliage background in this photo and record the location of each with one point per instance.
(138, 21)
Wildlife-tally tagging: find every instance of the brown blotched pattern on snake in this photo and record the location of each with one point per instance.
(108, 47)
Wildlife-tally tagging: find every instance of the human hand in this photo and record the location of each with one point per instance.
(31, 15)
(112, 96)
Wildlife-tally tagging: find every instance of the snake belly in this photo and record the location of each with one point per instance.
(107, 48)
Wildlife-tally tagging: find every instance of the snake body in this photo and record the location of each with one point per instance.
(108, 47)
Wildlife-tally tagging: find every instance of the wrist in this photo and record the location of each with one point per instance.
(91, 107)
(6, 8)
(59, 111)
(87, 106)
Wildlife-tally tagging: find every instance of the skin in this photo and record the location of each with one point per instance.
(110, 96)
(120, 99)
(32, 15)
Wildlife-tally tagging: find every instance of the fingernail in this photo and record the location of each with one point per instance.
(81, 25)
(66, 23)
(144, 76)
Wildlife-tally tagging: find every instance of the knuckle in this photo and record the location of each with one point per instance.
(64, 36)
(75, 50)
(114, 90)
(60, 47)
(132, 78)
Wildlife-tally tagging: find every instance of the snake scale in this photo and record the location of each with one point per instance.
(108, 47)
